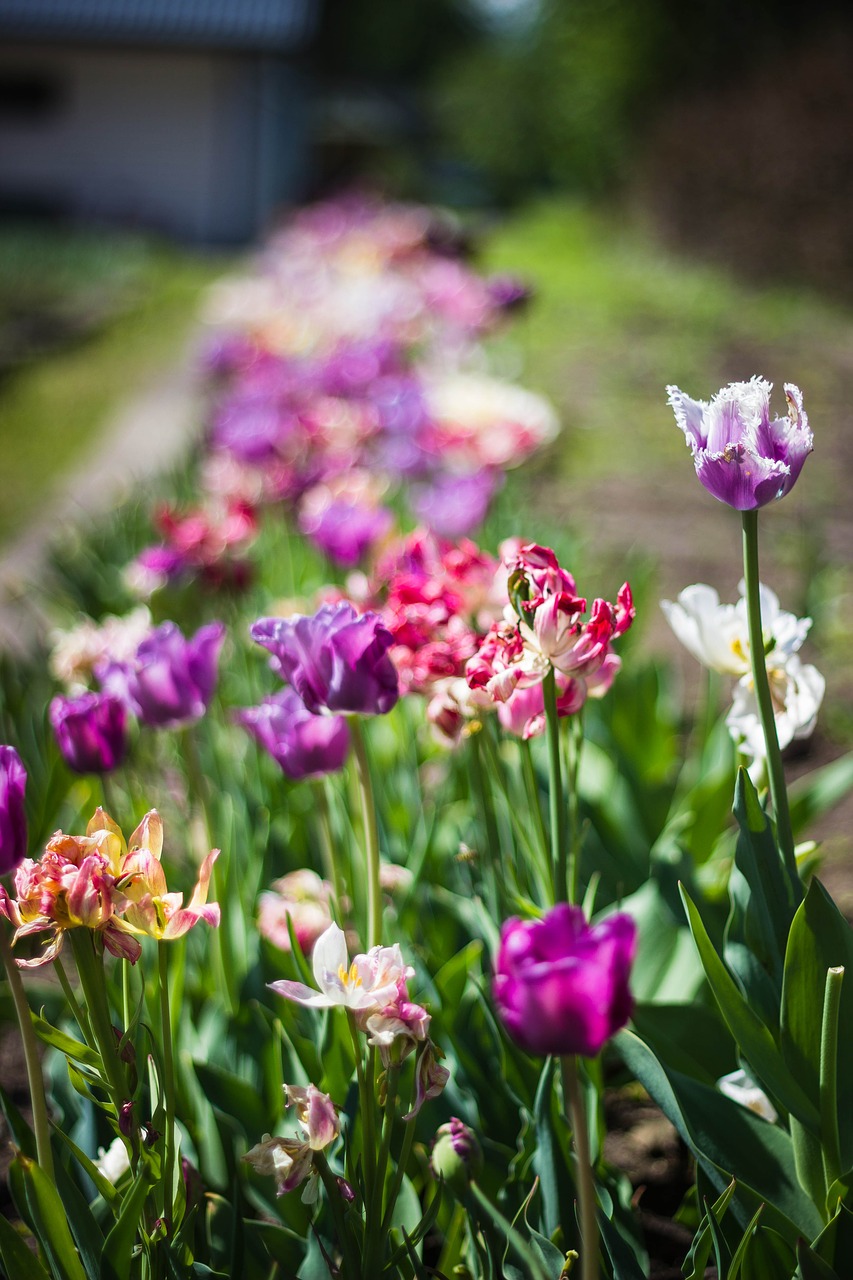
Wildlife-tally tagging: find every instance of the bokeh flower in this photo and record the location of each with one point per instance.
(91, 731)
(337, 660)
(302, 898)
(560, 984)
(13, 821)
(303, 744)
(170, 680)
(742, 456)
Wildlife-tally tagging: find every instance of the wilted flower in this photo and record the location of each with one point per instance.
(99, 882)
(13, 821)
(150, 908)
(291, 1160)
(304, 745)
(543, 630)
(336, 660)
(170, 680)
(430, 1077)
(302, 898)
(91, 731)
(743, 456)
(561, 985)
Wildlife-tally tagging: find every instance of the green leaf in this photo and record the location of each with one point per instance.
(820, 939)
(767, 1256)
(73, 1049)
(703, 1241)
(103, 1186)
(763, 901)
(812, 1266)
(544, 1158)
(50, 1222)
(692, 1038)
(754, 1038)
(19, 1131)
(727, 1138)
(819, 791)
(117, 1256)
(19, 1261)
(238, 1099)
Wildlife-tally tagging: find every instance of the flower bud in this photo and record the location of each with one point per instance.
(457, 1156)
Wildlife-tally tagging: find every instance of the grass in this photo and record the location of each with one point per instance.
(52, 408)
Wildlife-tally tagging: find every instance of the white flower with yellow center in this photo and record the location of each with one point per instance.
(369, 982)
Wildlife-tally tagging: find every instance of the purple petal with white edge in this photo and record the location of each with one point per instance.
(743, 481)
(690, 416)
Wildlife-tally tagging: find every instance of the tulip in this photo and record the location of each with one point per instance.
(13, 822)
(742, 456)
(91, 731)
(304, 745)
(336, 660)
(561, 985)
(170, 680)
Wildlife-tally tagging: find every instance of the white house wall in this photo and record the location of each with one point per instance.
(163, 139)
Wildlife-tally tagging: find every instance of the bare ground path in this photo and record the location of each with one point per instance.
(143, 437)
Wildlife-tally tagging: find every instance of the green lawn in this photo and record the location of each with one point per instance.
(106, 314)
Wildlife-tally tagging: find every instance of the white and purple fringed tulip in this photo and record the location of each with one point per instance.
(744, 457)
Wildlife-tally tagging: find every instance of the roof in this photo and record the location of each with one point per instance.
(263, 25)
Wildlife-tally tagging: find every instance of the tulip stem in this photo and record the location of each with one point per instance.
(575, 745)
(168, 1085)
(327, 847)
(556, 807)
(371, 833)
(41, 1123)
(586, 1186)
(775, 768)
(90, 970)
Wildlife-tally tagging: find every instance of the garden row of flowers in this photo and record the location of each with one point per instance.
(447, 872)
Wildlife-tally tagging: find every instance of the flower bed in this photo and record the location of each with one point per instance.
(432, 886)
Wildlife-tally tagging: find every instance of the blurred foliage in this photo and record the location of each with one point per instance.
(562, 103)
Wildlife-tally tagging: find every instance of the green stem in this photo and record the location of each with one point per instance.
(168, 1083)
(533, 797)
(74, 1004)
(327, 847)
(575, 746)
(775, 769)
(41, 1123)
(830, 1143)
(399, 1173)
(222, 942)
(556, 807)
(586, 1185)
(491, 856)
(371, 833)
(366, 1100)
(91, 972)
(374, 1217)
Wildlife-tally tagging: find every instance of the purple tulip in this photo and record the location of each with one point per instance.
(345, 531)
(302, 744)
(171, 679)
(91, 731)
(561, 985)
(336, 660)
(456, 505)
(13, 822)
(743, 456)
